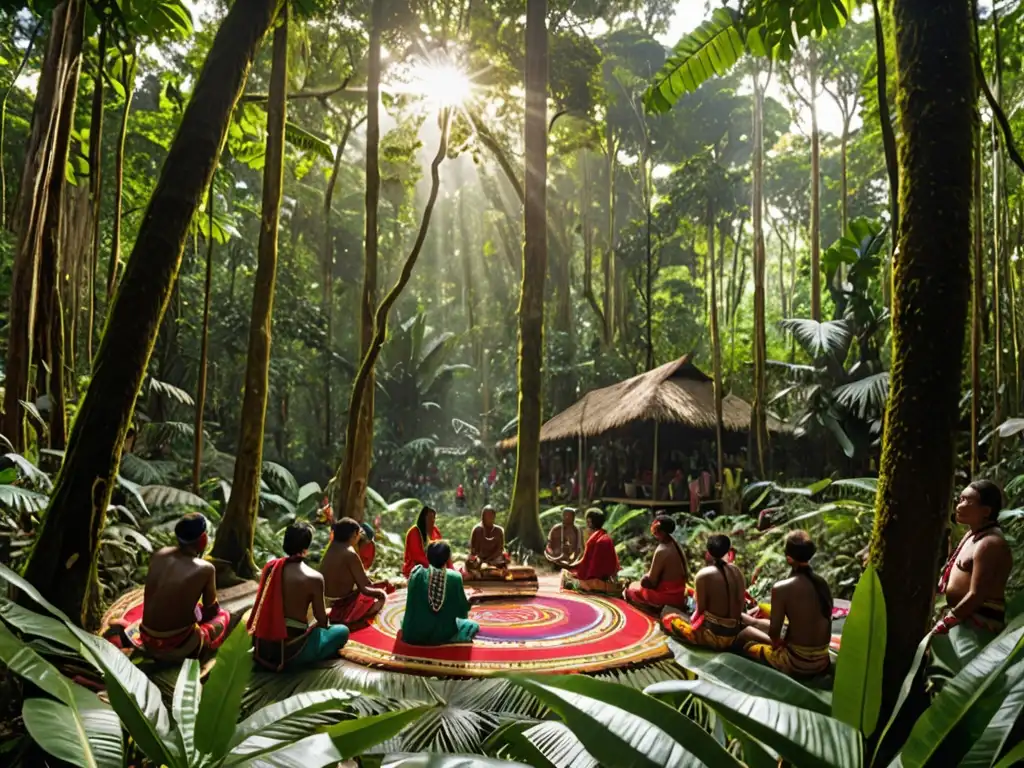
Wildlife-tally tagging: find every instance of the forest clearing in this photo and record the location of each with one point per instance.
(564, 384)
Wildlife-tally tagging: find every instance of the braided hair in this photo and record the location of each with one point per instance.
(718, 547)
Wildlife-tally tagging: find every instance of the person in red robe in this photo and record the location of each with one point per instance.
(665, 581)
(417, 539)
(597, 569)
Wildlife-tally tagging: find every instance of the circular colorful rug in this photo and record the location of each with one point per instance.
(552, 632)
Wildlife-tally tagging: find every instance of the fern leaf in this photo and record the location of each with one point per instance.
(308, 142)
(711, 49)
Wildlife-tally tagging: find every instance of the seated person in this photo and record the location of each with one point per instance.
(436, 607)
(597, 569)
(565, 541)
(417, 539)
(173, 626)
(718, 589)
(368, 553)
(487, 555)
(289, 589)
(803, 599)
(350, 596)
(665, 581)
(975, 576)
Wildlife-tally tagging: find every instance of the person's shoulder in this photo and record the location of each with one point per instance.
(203, 565)
(499, 529)
(994, 542)
(311, 573)
(164, 552)
(478, 527)
(706, 571)
(453, 576)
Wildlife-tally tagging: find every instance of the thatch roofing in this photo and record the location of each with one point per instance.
(674, 393)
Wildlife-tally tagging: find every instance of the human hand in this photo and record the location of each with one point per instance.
(945, 624)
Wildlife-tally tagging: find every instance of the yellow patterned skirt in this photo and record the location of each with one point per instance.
(708, 630)
(793, 660)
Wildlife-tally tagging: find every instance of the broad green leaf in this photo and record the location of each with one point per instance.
(185, 705)
(314, 751)
(222, 694)
(90, 737)
(353, 737)
(308, 142)
(532, 743)
(26, 663)
(1012, 758)
(650, 726)
(857, 693)
(264, 721)
(746, 675)
(131, 693)
(960, 695)
(32, 623)
(987, 727)
(606, 732)
(807, 739)
(905, 687)
(958, 648)
(445, 761)
(711, 49)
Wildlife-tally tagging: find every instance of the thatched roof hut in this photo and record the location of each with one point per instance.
(674, 393)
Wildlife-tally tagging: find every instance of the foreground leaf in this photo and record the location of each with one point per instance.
(91, 739)
(857, 693)
(222, 694)
(185, 705)
(807, 739)
(275, 716)
(353, 737)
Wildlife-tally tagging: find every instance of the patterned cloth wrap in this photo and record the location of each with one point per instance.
(706, 630)
(351, 609)
(573, 583)
(185, 643)
(791, 659)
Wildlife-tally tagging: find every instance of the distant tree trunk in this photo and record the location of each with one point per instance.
(96, 180)
(4, 221)
(812, 69)
(758, 415)
(204, 346)
(844, 182)
(524, 515)
(233, 544)
(931, 285)
(128, 82)
(49, 352)
(716, 348)
(977, 304)
(588, 247)
(351, 481)
(364, 377)
(61, 59)
(62, 564)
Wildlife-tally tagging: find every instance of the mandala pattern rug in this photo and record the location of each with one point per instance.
(555, 632)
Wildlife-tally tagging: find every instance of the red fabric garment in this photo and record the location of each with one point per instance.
(416, 551)
(666, 593)
(367, 553)
(266, 622)
(351, 609)
(599, 558)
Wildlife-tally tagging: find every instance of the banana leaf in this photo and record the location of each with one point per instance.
(988, 727)
(222, 695)
(857, 693)
(185, 707)
(803, 737)
(32, 623)
(61, 731)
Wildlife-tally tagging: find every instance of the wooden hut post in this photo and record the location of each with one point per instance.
(654, 472)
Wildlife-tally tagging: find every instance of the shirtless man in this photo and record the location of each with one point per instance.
(974, 579)
(719, 589)
(565, 541)
(289, 590)
(173, 625)
(350, 595)
(665, 581)
(804, 600)
(487, 545)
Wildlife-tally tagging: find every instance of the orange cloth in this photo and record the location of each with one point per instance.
(599, 558)
(416, 552)
(671, 593)
(267, 622)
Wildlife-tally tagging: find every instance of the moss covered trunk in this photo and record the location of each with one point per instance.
(524, 515)
(759, 413)
(63, 50)
(233, 545)
(63, 562)
(931, 284)
(204, 349)
(350, 484)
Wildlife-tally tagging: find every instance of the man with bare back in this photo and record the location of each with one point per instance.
(173, 625)
(351, 597)
(665, 582)
(802, 603)
(974, 579)
(289, 590)
(719, 591)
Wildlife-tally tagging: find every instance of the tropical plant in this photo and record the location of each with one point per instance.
(202, 728)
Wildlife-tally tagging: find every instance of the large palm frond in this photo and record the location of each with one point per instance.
(864, 396)
(828, 340)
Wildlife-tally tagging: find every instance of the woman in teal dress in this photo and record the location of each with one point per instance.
(436, 608)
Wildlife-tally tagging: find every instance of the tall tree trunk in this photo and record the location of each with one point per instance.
(96, 181)
(364, 376)
(844, 181)
(812, 67)
(524, 515)
(233, 544)
(62, 565)
(204, 347)
(4, 220)
(889, 147)
(128, 82)
(350, 484)
(588, 247)
(63, 50)
(49, 353)
(977, 306)
(716, 349)
(758, 414)
(932, 278)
